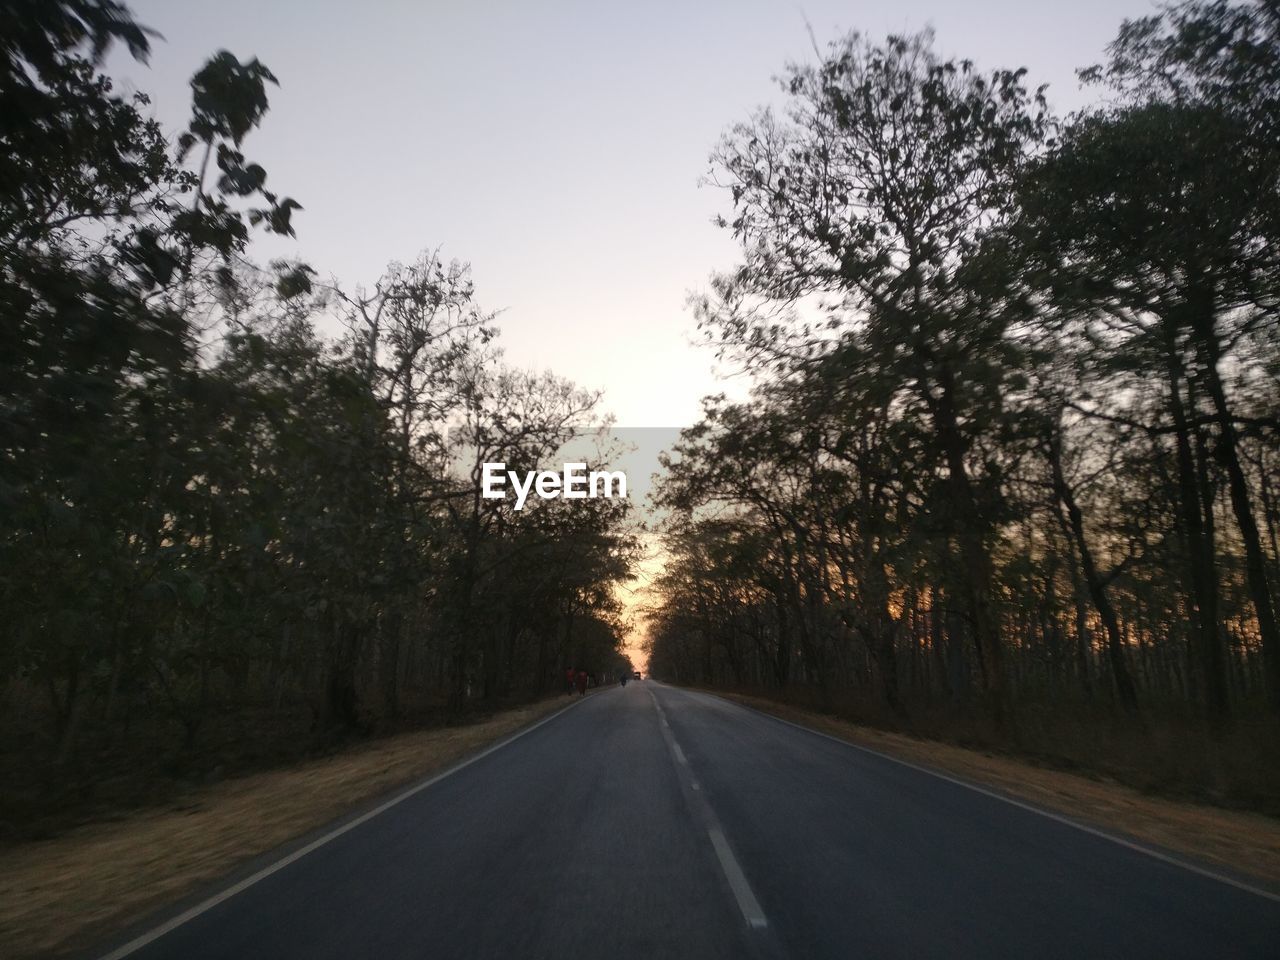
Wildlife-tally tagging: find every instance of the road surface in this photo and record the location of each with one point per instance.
(654, 822)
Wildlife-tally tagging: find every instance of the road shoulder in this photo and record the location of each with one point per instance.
(1239, 845)
(63, 895)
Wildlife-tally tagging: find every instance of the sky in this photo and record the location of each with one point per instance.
(556, 146)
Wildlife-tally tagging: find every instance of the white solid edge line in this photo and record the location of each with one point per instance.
(996, 795)
(747, 901)
(205, 905)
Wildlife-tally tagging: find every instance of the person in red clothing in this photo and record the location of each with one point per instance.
(582, 682)
(570, 677)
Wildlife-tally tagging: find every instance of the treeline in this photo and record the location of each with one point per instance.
(219, 530)
(1014, 446)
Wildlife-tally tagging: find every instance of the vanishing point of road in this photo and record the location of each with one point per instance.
(654, 822)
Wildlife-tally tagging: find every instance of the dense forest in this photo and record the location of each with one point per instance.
(1010, 470)
(1008, 473)
(226, 538)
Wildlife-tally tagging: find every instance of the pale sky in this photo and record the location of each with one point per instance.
(556, 146)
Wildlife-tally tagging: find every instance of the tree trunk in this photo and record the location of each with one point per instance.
(1125, 690)
(967, 522)
(1203, 592)
(1255, 560)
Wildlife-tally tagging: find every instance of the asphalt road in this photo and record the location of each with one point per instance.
(653, 822)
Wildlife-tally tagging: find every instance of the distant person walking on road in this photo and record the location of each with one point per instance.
(570, 680)
(582, 682)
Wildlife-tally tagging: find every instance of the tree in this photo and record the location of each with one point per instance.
(879, 193)
(1157, 222)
